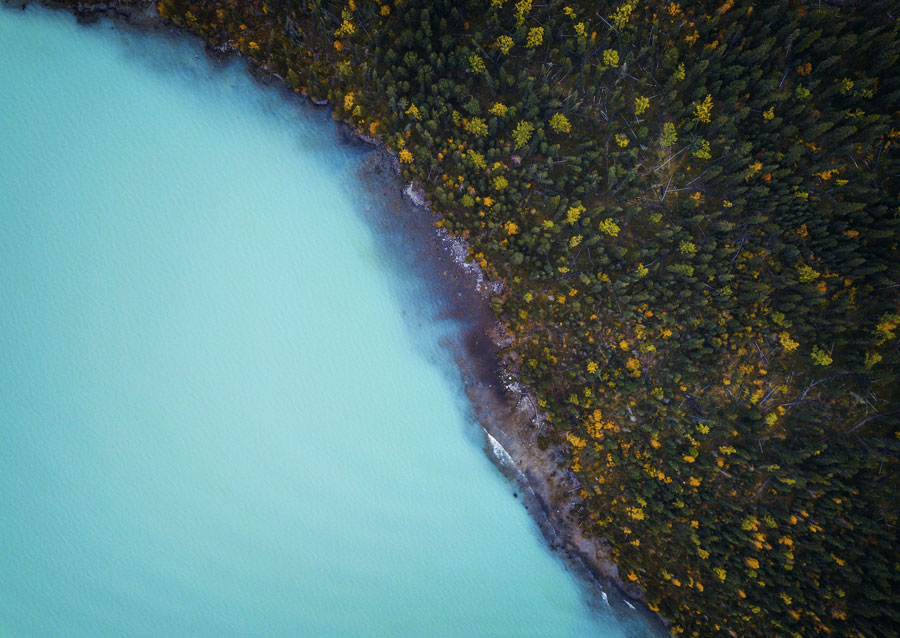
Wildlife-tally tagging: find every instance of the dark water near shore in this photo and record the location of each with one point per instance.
(225, 408)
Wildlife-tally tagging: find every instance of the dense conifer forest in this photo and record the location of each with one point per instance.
(694, 209)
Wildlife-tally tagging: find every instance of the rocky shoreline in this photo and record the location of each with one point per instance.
(505, 409)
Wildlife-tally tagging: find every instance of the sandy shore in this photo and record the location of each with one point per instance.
(506, 410)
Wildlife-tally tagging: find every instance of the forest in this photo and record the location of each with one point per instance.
(694, 207)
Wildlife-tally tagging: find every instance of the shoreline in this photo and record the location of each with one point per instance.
(504, 408)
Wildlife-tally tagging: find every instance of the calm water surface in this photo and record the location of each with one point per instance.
(223, 408)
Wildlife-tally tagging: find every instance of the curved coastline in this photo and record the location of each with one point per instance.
(505, 408)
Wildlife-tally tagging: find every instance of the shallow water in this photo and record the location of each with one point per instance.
(224, 408)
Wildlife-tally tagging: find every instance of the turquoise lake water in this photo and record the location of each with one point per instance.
(224, 409)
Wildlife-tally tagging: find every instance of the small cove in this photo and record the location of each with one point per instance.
(226, 405)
